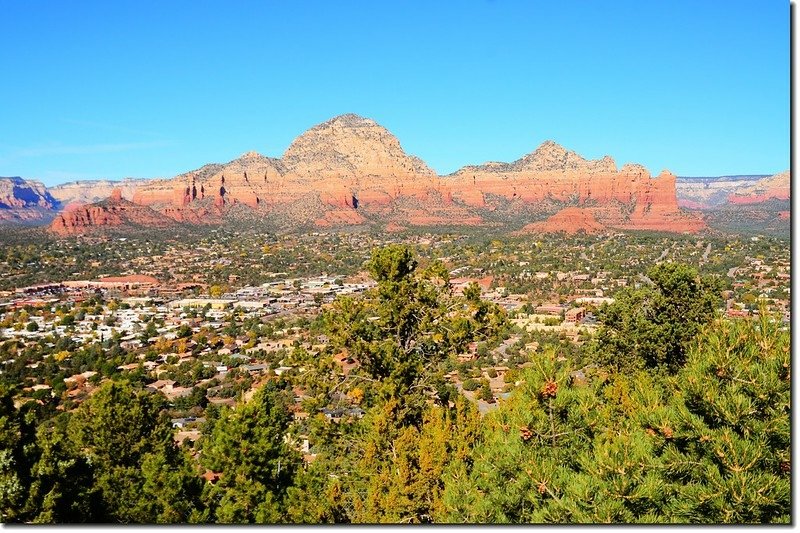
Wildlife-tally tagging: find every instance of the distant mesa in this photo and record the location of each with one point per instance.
(90, 191)
(350, 170)
(716, 192)
(777, 187)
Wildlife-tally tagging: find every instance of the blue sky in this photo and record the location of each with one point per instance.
(114, 88)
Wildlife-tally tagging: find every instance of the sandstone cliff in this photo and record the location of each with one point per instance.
(25, 200)
(113, 212)
(628, 198)
(568, 220)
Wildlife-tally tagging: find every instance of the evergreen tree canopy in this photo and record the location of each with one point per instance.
(651, 327)
(247, 446)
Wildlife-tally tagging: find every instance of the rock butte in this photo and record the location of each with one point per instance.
(350, 170)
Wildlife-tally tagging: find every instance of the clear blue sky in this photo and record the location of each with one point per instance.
(145, 88)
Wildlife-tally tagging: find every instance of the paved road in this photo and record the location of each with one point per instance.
(645, 279)
(705, 254)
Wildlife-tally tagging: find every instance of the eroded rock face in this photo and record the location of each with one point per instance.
(351, 146)
(17, 193)
(112, 212)
(350, 170)
(605, 195)
(25, 200)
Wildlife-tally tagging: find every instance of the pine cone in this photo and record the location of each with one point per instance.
(550, 389)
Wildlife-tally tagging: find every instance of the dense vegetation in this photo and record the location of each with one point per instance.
(671, 414)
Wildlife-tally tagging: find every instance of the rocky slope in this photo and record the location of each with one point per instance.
(568, 220)
(25, 201)
(350, 170)
(775, 187)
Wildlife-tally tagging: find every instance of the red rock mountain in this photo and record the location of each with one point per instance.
(114, 211)
(25, 200)
(350, 170)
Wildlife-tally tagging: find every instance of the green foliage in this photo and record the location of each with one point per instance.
(485, 392)
(732, 451)
(470, 384)
(247, 447)
(113, 460)
(652, 327)
(709, 445)
(692, 427)
(403, 330)
(16, 434)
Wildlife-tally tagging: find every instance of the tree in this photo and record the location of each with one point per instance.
(710, 444)
(16, 433)
(149, 332)
(385, 467)
(216, 291)
(122, 432)
(62, 486)
(470, 384)
(731, 452)
(257, 465)
(401, 331)
(652, 327)
(485, 392)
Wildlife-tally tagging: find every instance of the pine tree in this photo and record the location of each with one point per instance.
(732, 447)
(247, 446)
(16, 435)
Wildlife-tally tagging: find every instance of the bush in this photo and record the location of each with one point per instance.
(470, 384)
(485, 392)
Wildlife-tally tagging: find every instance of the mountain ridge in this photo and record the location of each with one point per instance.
(351, 170)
